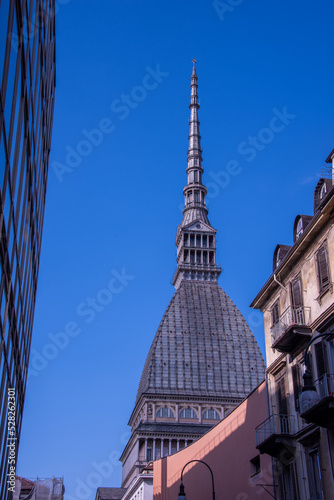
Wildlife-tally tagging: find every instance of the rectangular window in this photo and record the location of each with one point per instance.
(320, 358)
(281, 399)
(296, 292)
(205, 241)
(197, 197)
(314, 469)
(255, 465)
(275, 313)
(297, 301)
(297, 385)
(289, 483)
(196, 176)
(322, 268)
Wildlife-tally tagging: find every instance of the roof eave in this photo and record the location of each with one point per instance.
(327, 207)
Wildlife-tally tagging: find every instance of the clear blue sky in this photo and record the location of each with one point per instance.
(266, 91)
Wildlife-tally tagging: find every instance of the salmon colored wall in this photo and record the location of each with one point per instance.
(227, 449)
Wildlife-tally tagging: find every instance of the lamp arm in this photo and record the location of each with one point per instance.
(201, 462)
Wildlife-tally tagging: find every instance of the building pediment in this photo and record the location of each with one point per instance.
(200, 226)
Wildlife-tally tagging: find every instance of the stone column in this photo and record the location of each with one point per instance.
(145, 449)
(162, 447)
(177, 445)
(153, 448)
(170, 447)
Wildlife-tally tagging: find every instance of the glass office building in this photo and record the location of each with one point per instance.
(27, 86)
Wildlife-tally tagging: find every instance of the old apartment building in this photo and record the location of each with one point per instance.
(298, 305)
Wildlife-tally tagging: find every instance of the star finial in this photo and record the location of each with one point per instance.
(194, 61)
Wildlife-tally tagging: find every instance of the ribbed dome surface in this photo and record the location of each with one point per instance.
(193, 215)
(203, 347)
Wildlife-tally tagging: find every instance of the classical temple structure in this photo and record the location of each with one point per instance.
(204, 359)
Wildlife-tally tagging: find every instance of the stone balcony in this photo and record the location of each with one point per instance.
(320, 410)
(292, 331)
(275, 436)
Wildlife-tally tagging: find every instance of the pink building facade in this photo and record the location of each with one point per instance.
(240, 472)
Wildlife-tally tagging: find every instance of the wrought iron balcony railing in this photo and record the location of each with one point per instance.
(275, 425)
(291, 316)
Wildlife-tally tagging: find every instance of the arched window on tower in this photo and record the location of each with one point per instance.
(188, 413)
(165, 413)
(211, 415)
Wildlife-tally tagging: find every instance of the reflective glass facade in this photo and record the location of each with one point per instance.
(27, 85)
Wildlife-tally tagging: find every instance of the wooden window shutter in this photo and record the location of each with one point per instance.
(281, 397)
(320, 358)
(323, 269)
(296, 292)
(296, 384)
(275, 313)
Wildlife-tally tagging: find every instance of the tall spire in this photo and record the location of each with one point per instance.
(195, 205)
(195, 239)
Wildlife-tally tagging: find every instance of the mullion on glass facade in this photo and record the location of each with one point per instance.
(27, 60)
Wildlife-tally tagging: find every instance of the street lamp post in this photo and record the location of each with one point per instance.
(182, 495)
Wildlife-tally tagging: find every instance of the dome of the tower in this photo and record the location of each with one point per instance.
(203, 347)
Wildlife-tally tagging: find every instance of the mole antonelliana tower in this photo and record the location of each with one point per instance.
(204, 359)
